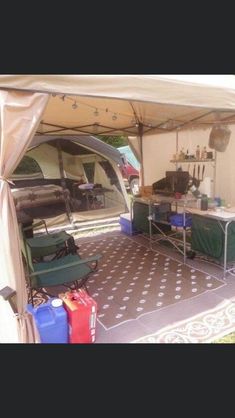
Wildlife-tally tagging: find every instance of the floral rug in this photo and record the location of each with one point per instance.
(202, 328)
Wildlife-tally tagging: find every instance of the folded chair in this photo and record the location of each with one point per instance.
(70, 271)
(57, 244)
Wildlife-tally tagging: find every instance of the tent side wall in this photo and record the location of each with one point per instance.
(158, 150)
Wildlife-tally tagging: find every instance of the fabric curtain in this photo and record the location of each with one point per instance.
(20, 114)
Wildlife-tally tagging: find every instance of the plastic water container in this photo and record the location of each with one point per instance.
(217, 201)
(82, 312)
(51, 321)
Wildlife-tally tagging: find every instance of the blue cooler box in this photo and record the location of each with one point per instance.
(178, 220)
(126, 224)
(51, 321)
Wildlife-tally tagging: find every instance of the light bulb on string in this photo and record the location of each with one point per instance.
(96, 113)
(114, 117)
(74, 105)
(63, 97)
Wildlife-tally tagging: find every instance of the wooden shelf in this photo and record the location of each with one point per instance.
(192, 161)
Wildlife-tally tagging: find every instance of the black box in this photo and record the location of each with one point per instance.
(161, 211)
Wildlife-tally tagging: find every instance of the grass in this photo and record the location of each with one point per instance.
(227, 339)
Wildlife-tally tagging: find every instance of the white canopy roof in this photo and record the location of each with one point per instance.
(119, 104)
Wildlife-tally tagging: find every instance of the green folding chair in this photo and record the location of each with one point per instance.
(57, 244)
(70, 271)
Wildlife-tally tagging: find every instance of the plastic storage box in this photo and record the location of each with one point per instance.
(126, 224)
(178, 220)
(51, 321)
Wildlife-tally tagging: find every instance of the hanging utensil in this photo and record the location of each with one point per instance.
(203, 171)
(194, 171)
(198, 172)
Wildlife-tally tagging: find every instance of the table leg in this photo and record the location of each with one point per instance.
(184, 234)
(150, 218)
(87, 201)
(225, 247)
(184, 241)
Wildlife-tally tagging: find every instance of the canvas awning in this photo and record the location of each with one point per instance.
(121, 104)
(131, 105)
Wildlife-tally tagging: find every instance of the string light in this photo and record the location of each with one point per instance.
(170, 124)
(96, 111)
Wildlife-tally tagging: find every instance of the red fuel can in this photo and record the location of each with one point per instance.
(82, 313)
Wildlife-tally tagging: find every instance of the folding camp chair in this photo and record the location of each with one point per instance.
(70, 271)
(57, 244)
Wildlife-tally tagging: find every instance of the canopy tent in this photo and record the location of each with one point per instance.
(76, 160)
(87, 142)
(132, 105)
(117, 105)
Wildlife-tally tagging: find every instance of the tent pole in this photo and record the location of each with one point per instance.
(63, 183)
(140, 134)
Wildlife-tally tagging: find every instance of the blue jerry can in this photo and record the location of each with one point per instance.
(51, 321)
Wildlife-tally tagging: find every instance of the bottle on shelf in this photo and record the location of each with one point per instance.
(204, 154)
(182, 154)
(198, 153)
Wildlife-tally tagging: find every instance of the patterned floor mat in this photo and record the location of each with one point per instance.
(202, 328)
(132, 280)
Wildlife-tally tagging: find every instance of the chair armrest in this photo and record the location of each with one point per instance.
(65, 266)
(7, 292)
(40, 222)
